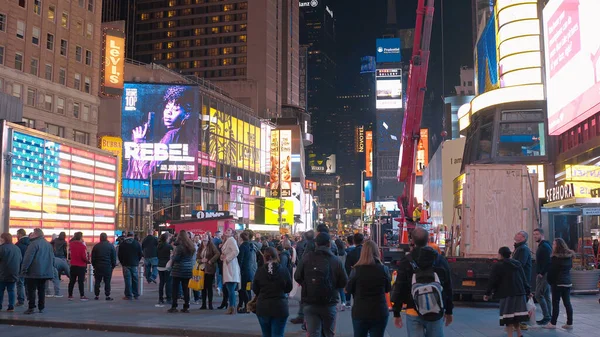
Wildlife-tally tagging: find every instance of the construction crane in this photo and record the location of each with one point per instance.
(413, 113)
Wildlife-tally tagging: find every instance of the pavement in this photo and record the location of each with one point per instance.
(143, 317)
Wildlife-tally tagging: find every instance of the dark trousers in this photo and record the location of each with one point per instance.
(369, 328)
(225, 295)
(177, 281)
(320, 320)
(165, 285)
(245, 296)
(39, 285)
(97, 280)
(208, 289)
(565, 294)
(77, 275)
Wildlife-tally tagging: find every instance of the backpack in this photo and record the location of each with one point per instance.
(318, 284)
(426, 291)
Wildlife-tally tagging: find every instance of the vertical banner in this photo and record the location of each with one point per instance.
(274, 175)
(114, 145)
(369, 153)
(281, 163)
(114, 62)
(360, 139)
(422, 152)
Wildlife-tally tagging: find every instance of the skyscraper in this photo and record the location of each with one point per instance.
(121, 10)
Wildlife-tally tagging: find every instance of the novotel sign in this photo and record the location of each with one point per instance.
(562, 192)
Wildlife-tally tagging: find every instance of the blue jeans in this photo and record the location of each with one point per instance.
(10, 289)
(231, 293)
(219, 277)
(369, 328)
(21, 290)
(342, 296)
(320, 320)
(542, 295)
(272, 326)
(418, 327)
(130, 276)
(151, 269)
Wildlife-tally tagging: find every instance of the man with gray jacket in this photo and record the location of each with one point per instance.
(37, 268)
(10, 264)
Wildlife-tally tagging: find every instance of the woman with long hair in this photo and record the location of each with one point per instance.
(183, 263)
(79, 262)
(369, 281)
(271, 284)
(559, 278)
(208, 256)
(231, 268)
(164, 255)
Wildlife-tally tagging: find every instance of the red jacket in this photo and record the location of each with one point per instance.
(78, 252)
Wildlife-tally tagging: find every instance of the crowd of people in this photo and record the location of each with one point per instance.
(256, 274)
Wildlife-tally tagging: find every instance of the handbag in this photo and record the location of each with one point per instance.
(251, 306)
(196, 283)
(169, 265)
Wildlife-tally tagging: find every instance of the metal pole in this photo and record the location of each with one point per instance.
(151, 204)
(362, 197)
(91, 278)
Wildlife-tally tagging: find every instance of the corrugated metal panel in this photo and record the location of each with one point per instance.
(11, 108)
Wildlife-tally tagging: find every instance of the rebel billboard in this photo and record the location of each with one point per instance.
(159, 128)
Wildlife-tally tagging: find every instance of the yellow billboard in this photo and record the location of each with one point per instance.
(114, 62)
(272, 213)
(114, 145)
(584, 173)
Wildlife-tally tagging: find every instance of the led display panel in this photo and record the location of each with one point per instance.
(389, 89)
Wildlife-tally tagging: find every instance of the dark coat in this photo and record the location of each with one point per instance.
(522, 254)
(352, 258)
(10, 262)
(23, 243)
(542, 257)
(212, 255)
(339, 277)
(60, 248)
(285, 259)
(369, 284)
(183, 263)
(38, 262)
(104, 258)
(164, 254)
(507, 279)
(150, 247)
(271, 284)
(247, 260)
(559, 273)
(130, 253)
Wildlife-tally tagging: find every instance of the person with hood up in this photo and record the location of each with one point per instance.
(508, 283)
(183, 264)
(248, 266)
(37, 267)
(272, 283)
(79, 262)
(104, 261)
(22, 244)
(130, 254)
(231, 269)
(542, 264)
(60, 246)
(559, 277)
(10, 264)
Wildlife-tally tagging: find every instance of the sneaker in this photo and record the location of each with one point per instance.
(524, 326)
(172, 310)
(543, 322)
(136, 298)
(343, 307)
(297, 320)
(84, 299)
(549, 326)
(196, 303)
(161, 302)
(96, 298)
(70, 298)
(108, 298)
(58, 296)
(125, 298)
(41, 311)
(219, 292)
(49, 296)
(10, 309)
(567, 326)
(186, 311)
(29, 312)
(20, 304)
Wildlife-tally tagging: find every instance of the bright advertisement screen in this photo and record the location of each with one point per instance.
(240, 201)
(389, 131)
(369, 154)
(572, 62)
(61, 188)
(272, 215)
(389, 89)
(159, 127)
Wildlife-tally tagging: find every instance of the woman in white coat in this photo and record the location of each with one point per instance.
(231, 268)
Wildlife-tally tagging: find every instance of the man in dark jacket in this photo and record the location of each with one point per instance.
(424, 257)
(354, 254)
(542, 263)
(104, 260)
(523, 255)
(321, 275)
(22, 243)
(10, 265)
(130, 254)
(248, 265)
(303, 248)
(150, 248)
(60, 246)
(37, 267)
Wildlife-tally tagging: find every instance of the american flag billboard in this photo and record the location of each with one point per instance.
(61, 188)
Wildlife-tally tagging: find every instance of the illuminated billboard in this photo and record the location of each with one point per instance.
(114, 62)
(281, 163)
(389, 131)
(159, 127)
(114, 145)
(59, 186)
(359, 146)
(266, 211)
(367, 64)
(322, 164)
(388, 50)
(389, 89)
(422, 152)
(572, 62)
(240, 201)
(137, 189)
(369, 153)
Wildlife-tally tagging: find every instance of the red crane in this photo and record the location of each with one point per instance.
(413, 113)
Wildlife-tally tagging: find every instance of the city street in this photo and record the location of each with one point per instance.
(122, 318)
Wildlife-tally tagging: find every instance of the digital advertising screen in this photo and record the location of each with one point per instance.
(281, 163)
(368, 190)
(61, 188)
(137, 189)
(159, 128)
(367, 64)
(389, 89)
(389, 131)
(266, 211)
(572, 51)
(369, 153)
(388, 50)
(240, 201)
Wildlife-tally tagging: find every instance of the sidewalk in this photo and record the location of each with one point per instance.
(143, 317)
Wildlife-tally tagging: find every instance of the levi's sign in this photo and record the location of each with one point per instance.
(114, 62)
(562, 192)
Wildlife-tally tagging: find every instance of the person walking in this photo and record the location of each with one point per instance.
(207, 256)
(542, 262)
(508, 283)
(559, 277)
(183, 263)
(60, 246)
(231, 269)
(130, 254)
(104, 261)
(342, 255)
(369, 281)
(10, 265)
(150, 250)
(352, 258)
(22, 243)
(37, 267)
(271, 285)
(165, 285)
(321, 274)
(522, 253)
(61, 267)
(79, 262)
(248, 266)
(426, 267)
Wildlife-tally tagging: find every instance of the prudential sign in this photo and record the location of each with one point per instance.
(388, 50)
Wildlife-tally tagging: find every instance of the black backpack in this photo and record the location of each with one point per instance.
(318, 284)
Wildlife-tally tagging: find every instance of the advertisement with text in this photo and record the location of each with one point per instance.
(389, 89)
(281, 163)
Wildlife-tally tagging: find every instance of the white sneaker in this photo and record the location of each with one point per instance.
(49, 296)
(219, 292)
(348, 306)
(343, 307)
(549, 326)
(567, 326)
(59, 296)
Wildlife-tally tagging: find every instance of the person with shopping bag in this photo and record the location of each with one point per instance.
(181, 270)
(208, 256)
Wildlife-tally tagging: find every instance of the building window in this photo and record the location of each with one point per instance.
(227, 50)
(144, 16)
(158, 15)
(2, 22)
(64, 20)
(63, 47)
(90, 31)
(85, 113)
(62, 76)
(227, 8)
(78, 53)
(76, 109)
(37, 7)
(199, 31)
(17, 90)
(77, 81)
(34, 66)
(171, 34)
(87, 85)
(91, 5)
(22, 3)
(227, 61)
(28, 122)
(213, 52)
(35, 36)
(170, 56)
(21, 29)
(1, 58)
(171, 24)
(158, 46)
(172, 3)
(171, 14)
(243, 38)
(214, 19)
(55, 130)
(242, 60)
(31, 93)
(81, 137)
(48, 72)
(170, 45)
(88, 57)
(81, 3)
(52, 13)
(215, 30)
(48, 102)
(19, 61)
(60, 105)
(228, 29)
(50, 41)
(79, 27)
